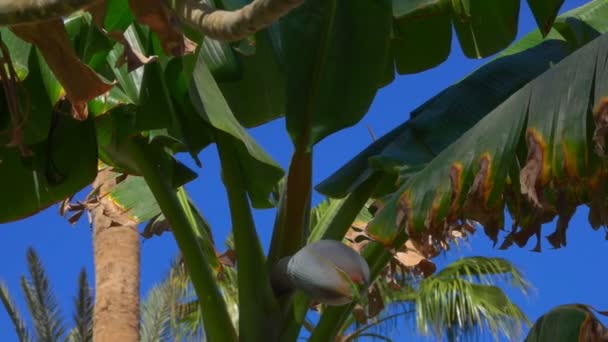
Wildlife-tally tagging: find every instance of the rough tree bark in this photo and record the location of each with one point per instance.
(116, 247)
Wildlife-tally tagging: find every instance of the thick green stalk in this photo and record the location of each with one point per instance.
(377, 256)
(289, 233)
(333, 228)
(217, 322)
(258, 309)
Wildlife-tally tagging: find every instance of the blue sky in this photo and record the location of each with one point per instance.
(571, 274)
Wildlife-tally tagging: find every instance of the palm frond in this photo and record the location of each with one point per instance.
(83, 311)
(486, 271)
(459, 308)
(41, 301)
(156, 314)
(13, 314)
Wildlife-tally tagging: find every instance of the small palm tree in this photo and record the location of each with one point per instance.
(44, 310)
(167, 313)
(454, 303)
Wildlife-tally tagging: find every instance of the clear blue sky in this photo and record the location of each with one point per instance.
(572, 274)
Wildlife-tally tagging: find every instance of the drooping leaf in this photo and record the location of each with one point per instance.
(422, 35)
(261, 173)
(445, 117)
(81, 84)
(569, 322)
(485, 27)
(533, 154)
(545, 12)
(423, 28)
(325, 43)
(59, 166)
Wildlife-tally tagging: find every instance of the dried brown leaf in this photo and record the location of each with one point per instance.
(80, 82)
(131, 56)
(228, 258)
(359, 314)
(165, 24)
(600, 116)
(530, 175)
(375, 303)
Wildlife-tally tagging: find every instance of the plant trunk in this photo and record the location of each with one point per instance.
(116, 248)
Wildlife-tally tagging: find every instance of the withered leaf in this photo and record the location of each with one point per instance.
(164, 23)
(600, 116)
(531, 172)
(80, 82)
(375, 302)
(131, 56)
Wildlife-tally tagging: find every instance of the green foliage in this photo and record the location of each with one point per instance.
(569, 322)
(471, 176)
(48, 324)
(41, 301)
(441, 120)
(458, 302)
(13, 313)
(83, 315)
(309, 68)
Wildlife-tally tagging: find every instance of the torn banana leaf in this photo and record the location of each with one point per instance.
(539, 154)
(438, 122)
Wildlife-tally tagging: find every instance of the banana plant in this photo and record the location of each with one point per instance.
(125, 83)
(459, 180)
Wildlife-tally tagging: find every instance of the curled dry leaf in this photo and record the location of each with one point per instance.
(165, 24)
(228, 258)
(131, 56)
(375, 303)
(476, 205)
(600, 116)
(18, 108)
(410, 256)
(531, 173)
(80, 82)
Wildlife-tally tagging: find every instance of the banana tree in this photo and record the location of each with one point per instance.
(448, 174)
(171, 96)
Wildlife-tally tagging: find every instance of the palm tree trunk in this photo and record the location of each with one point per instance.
(116, 247)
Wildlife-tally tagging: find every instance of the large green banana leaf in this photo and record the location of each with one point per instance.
(539, 153)
(423, 28)
(569, 322)
(60, 155)
(438, 122)
(322, 44)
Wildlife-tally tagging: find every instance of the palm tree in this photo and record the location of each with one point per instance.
(44, 310)
(455, 303)
(166, 313)
(116, 248)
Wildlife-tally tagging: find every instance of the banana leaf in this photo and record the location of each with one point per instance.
(441, 120)
(569, 322)
(539, 154)
(422, 29)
